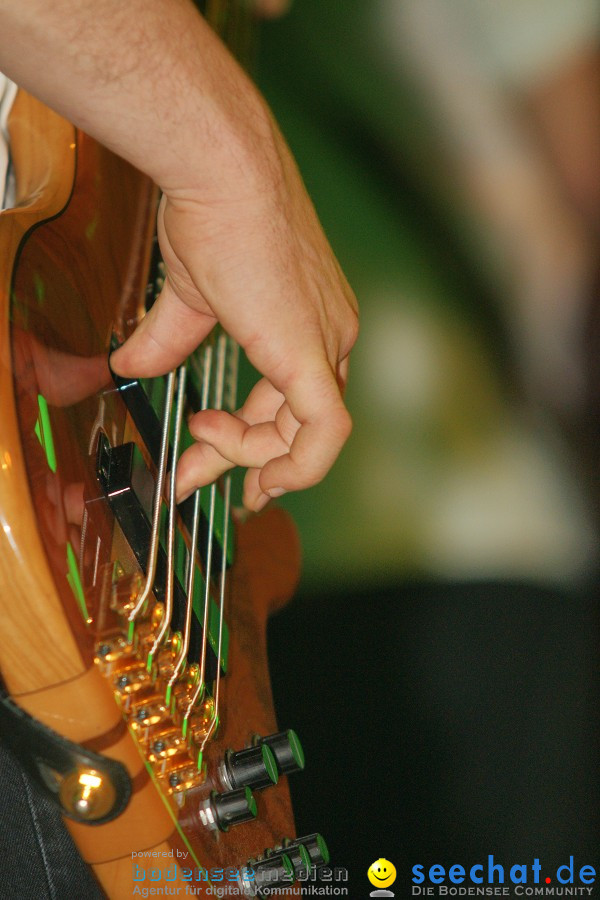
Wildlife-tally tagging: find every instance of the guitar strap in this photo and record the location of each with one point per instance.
(38, 858)
(53, 761)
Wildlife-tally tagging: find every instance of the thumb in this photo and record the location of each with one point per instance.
(167, 334)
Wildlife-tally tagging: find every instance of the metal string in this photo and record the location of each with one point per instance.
(234, 20)
(168, 611)
(222, 586)
(157, 502)
(218, 404)
(231, 391)
(185, 644)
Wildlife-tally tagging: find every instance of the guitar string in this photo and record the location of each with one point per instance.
(207, 359)
(220, 16)
(168, 610)
(218, 404)
(230, 405)
(157, 501)
(215, 13)
(215, 713)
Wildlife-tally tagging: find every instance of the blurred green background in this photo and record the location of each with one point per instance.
(445, 474)
(440, 659)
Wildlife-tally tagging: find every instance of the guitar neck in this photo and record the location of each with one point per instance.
(88, 617)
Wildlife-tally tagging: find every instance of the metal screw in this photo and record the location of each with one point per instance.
(158, 746)
(174, 779)
(123, 681)
(104, 649)
(142, 713)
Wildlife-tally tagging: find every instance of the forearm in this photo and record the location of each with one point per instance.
(239, 237)
(148, 78)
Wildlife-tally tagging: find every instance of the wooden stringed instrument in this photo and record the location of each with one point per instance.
(133, 630)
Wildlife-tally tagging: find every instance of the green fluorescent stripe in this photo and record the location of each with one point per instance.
(90, 228)
(199, 590)
(74, 580)
(213, 633)
(213, 621)
(43, 430)
(187, 441)
(39, 288)
(181, 557)
(168, 806)
(154, 388)
(219, 520)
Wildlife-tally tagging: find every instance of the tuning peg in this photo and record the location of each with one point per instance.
(314, 844)
(231, 808)
(286, 748)
(254, 767)
(273, 872)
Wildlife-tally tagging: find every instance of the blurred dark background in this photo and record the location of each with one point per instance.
(440, 661)
(442, 723)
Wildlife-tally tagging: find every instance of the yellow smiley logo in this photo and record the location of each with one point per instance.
(382, 873)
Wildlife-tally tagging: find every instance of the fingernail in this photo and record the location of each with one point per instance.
(276, 492)
(261, 502)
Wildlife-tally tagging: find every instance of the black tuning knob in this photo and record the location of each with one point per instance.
(231, 808)
(315, 846)
(254, 767)
(287, 750)
(276, 871)
(297, 854)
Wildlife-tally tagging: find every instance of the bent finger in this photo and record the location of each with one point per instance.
(316, 403)
(253, 497)
(342, 377)
(262, 403)
(198, 466)
(167, 334)
(250, 446)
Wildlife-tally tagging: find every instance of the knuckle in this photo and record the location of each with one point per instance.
(197, 425)
(342, 424)
(351, 332)
(206, 425)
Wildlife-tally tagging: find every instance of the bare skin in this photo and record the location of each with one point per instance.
(239, 235)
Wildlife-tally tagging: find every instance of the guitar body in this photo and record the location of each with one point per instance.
(76, 254)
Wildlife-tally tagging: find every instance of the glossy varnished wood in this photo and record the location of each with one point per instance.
(77, 251)
(30, 604)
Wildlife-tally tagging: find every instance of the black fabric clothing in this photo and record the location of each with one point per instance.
(38, 859)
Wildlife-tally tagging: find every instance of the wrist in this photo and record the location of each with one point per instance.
(222, 136)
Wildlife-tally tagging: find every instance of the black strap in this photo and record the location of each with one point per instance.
(50, 759)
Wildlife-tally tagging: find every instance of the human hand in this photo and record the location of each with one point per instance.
(239, 236)
(250, 253)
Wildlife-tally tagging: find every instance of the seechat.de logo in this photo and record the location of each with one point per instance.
(518, 876)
